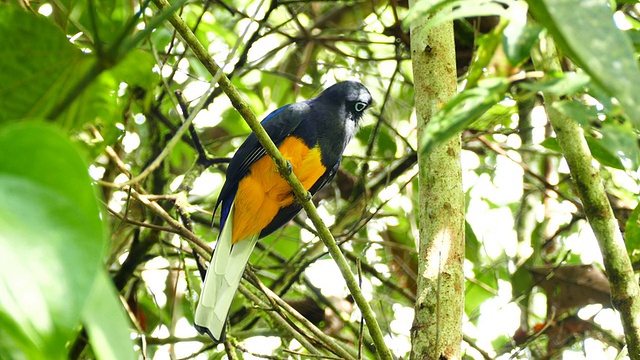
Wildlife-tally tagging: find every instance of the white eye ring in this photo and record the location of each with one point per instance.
(360, 106)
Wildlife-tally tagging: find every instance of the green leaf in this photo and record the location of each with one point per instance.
(500, 114)
(364, 134)
(51, 238)
(462, 110)
(604, 156)
(136, 69)
(567, 83)
(586, 31)
(472, 245)
(280, 87)
(147, 308)
(634, 35)
(487, 46)
(551, 144)
(621, 139)
(521, 280)
(583, 114)
(478, 291)
(519, 37)
(386, 144)
(96, 105)
(106, 322)
(518, 41)
(100, 20)
(39, 65)
(632, 235)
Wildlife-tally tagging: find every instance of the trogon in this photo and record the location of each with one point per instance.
(255, 200)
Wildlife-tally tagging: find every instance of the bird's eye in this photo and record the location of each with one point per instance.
(360, 106)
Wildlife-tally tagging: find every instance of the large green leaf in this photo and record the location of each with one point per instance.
(39, 65)
(586, 31)
(58, 80)
(51, 238)
(107, 322)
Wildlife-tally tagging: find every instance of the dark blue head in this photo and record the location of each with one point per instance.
(334, 117)
(350, 96)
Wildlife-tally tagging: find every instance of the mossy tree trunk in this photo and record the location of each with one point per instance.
(436, 331)
(625, 293)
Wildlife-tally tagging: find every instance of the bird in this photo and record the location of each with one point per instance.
(255, 200)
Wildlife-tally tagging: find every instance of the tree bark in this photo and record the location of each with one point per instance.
(436, 331)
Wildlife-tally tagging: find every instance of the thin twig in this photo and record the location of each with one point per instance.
(334, 346)
(182, 230)
(279, 319)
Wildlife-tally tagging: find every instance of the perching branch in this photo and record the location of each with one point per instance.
(301, 194)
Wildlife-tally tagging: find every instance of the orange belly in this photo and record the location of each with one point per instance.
(263, 192)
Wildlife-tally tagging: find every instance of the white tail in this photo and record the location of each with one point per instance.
(222, 280)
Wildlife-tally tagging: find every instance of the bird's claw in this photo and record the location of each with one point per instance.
(286, 170)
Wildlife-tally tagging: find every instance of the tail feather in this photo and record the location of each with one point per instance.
(222, 280)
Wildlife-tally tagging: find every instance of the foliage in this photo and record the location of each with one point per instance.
(90, 87)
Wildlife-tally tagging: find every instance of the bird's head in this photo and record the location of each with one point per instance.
(352, 95)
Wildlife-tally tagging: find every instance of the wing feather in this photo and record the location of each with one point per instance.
(278, 125)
